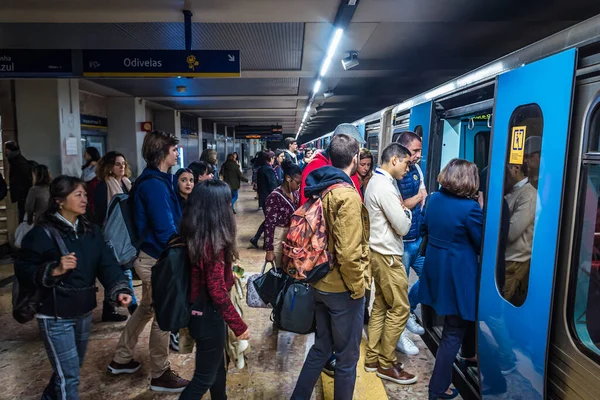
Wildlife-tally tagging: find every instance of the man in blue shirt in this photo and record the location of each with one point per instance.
(413, 193)
(156, 213)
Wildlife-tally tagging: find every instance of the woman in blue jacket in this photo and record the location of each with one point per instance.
(453, 222)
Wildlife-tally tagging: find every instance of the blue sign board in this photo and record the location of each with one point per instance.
(161, 63)
(35, 63)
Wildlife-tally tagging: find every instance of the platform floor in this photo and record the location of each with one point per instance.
(273, 363)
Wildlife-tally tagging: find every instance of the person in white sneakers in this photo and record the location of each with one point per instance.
(389, 220)
(413, 194)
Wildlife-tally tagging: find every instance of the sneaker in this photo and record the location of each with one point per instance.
(413, 326)
(169, 382)
(329, 368)
(372, 367)
(131, 367)
(396, 375)
(254, 243)
(174, 341)
(406, 346)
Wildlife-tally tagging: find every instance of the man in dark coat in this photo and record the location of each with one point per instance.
(20, 178)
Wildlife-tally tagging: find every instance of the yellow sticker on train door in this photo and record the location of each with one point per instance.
(517, 145)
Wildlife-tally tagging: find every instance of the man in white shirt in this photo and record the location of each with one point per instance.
(389, 221)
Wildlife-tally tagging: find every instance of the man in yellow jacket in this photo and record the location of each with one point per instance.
(339, 296)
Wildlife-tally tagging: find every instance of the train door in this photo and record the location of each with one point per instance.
(420, 123)
(530, 130)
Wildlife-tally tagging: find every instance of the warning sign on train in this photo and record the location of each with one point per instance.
(517, 149)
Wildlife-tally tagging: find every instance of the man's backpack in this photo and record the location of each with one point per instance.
(171, 287)
(120, 232)
(305, 255)
(295, 308)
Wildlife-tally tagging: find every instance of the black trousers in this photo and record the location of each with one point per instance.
(210, 332)
(452, 337)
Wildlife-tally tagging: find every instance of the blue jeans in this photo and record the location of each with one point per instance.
(234, 197)
(129, 276)
(412, 258)
(339, 320)
(65, 341)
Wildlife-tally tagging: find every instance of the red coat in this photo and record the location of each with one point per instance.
(319, 161)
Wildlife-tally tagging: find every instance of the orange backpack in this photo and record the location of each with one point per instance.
(305, 254)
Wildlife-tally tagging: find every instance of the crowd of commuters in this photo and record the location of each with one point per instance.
(376, 216)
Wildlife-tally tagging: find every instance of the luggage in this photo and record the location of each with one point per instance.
(171, 287)
(305, 255)
(295, 308)
(264, 288)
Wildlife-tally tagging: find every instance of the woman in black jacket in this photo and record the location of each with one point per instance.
(266, 181)
(65, 283)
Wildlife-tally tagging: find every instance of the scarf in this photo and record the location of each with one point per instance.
(113, 187)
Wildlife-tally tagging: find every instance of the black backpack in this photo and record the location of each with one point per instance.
(295, 308)
(171, 287)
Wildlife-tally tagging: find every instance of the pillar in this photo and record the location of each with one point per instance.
(48, 122)
(168, 121)
(124, 134)
(200, 137)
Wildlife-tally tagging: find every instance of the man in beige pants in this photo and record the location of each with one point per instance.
(390, 220)
(156, 213)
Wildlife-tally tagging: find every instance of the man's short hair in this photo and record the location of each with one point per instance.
(156, 147)
(394, 149)
(289, 141)
(342, 149)
(407, 137)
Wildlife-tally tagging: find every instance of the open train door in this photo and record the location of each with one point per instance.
(522, 213)
(420, 123)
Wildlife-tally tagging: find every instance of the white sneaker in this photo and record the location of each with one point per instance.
(406, 346)
(413, 326)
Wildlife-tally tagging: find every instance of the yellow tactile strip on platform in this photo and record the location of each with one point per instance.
(368, 385)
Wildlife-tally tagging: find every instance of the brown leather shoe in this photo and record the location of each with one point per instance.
(169, 382)
(396, 375)
(372, 367)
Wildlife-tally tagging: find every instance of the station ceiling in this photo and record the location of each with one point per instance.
(404, 47)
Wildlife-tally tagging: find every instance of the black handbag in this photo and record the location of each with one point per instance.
(425, 239)
(270, 284)
(26, 300)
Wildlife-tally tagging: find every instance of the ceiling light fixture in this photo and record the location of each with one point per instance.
(181, 89)
(317, 87)
(351, 61)
(337, 36)
(328, 93)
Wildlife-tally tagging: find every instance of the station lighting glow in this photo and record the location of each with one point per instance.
(337, 36)
(317, 87)
(335, 41)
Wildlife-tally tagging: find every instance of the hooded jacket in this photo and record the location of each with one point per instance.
(20, 178)
(321, 160)
(347, 224)
(157, 211)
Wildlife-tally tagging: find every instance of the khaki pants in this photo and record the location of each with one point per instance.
(516, 284)
(159, 340)
(390, 309)
(278, 238)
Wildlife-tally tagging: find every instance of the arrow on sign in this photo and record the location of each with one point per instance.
(231, 57)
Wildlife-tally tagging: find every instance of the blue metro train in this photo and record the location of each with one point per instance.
(535, 111)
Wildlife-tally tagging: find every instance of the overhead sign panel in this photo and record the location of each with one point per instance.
(161, 63)
(35, 63)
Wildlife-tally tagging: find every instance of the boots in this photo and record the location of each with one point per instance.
(110, 315)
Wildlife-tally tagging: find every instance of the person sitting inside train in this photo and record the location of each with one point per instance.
(521, 199)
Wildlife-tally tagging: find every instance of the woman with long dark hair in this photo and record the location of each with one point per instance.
(365, 168)
(39, 194)
(266, 181)
(208, 228)
(88, 175)
(279, 207)
(185, 185)
(278, 165)
(66, 282)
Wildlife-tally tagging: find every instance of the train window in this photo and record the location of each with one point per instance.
(517, 217)
(481, 144)
(586, 306)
